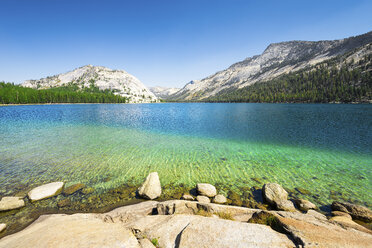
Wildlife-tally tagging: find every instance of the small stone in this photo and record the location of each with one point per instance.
(285, 205)
(73, 188)
(45, 191)
(219, 199)
(10, 202)
(64, 203)
(206, 189)
(188, 197)
(87, 191)
(275, 195)
(2, 227)
(339, 213)
(151, 188)
(305, 205)
(203, 199)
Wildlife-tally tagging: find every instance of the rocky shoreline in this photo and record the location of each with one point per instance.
(276, 222)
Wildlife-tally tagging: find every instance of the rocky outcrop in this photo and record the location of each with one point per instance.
(136, 225)
(206, 189)
(219, 199)
(2, 227)
(275, 195)
(339, 213)
(11, 202)
(45, 191)
(356, 211)
(163, 92)
(151, 188)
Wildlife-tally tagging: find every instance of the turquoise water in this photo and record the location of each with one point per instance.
(325, 149)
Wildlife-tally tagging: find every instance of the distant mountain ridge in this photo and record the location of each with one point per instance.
(118, 81)
(163, 92)
(277, 59)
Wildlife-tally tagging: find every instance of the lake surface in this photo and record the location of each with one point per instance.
(323, 148)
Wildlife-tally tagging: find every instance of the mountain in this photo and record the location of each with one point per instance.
(277, 59)
(118, 81)
(163, 92)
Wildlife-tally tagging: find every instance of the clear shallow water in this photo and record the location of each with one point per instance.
(318, 147)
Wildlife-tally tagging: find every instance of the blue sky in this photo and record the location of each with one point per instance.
(166, 43)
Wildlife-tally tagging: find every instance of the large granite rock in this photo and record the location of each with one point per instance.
(197, 231)
(151, 188)
(45, 191)
(275, 195)
(11, 202)
(219, 199)
(206, 189)
(356, 211)
(78, 230)
(2, 227)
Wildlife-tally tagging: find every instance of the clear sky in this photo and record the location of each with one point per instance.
(165, 43)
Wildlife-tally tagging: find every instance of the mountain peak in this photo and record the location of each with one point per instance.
(119, 81)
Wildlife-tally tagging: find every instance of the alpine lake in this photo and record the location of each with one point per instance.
(319, 152)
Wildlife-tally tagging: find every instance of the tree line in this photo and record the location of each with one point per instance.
(71, 93)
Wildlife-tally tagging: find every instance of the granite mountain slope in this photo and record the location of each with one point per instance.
(118, 81)
(276, 60)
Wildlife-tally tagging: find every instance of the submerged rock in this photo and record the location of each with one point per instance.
(356, 211)
(2, 227)
(203, 199)
(45, 191)
(188, 197)
(275, 195)
(73, 188)
(305, 205)
(206, 189)
(220, 199)
(64, 203)
(87, 191)
(151, 188)
(11, 202)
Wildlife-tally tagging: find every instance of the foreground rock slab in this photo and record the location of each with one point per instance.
(151, 188)
(10, 202)
(45, 191)
(206, 189)
(73, 231)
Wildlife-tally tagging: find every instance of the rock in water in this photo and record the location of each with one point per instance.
(73, 188)
(356, 211)
(275, 195)
(151, 188)
(206, 189)
(2, 227)
(45, 191)
(10, 202)
(203, 199)
(220, 199)
(305, 205)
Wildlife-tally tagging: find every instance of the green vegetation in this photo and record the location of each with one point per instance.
(71, 93)
(155, 242)
(225, 215)
(326, 82)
